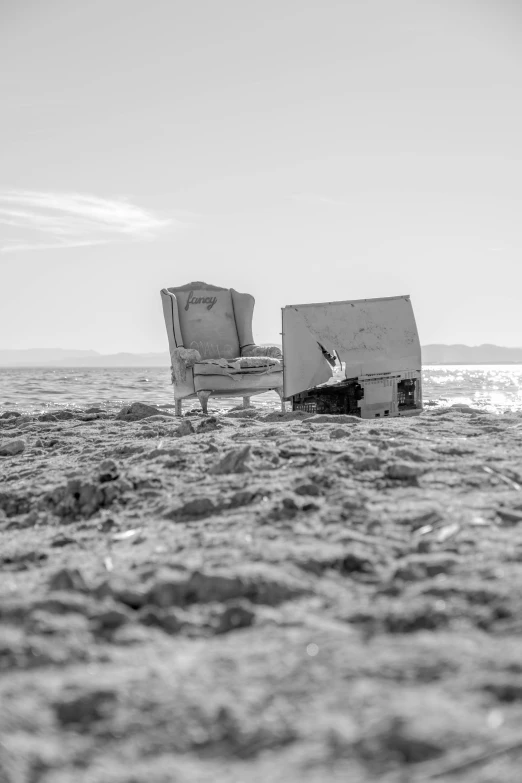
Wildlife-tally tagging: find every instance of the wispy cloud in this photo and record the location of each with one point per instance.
(63, 220)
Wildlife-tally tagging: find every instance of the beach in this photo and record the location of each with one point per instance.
(252, 596)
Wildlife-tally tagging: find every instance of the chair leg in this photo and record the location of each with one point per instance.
(178, 407)
(246, 402)
(203, 398)
(283, 404)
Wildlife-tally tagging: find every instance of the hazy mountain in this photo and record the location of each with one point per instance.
(63, 358)
(470, 354)
(56, 357)
(37, 356)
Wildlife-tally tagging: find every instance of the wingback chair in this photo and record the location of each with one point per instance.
(212, 349)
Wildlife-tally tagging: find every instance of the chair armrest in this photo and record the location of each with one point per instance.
(172, 323)
(182, 359)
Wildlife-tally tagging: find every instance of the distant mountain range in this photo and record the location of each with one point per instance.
(57, 357)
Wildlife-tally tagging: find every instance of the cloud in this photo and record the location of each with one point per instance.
(64, 220)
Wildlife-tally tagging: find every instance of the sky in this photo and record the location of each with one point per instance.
(298, 150)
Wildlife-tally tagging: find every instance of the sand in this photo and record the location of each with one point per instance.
(251, 597)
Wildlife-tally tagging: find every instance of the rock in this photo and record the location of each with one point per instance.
(308, 489)
(56, 416)
(242, 413)
(68, 579)
(168, 620)
(324, 557)
(404, 471)
(368, 462)
(463, 408)
(185, 428)
(416, 567)
(414, 454)
(10, 415)
(207, 425)
(333, 418)
(193, 509)
(133, 597)
(233, 462)
(287, 416)
(137, 411)
(257, 582)
(339, 432)
(84, 708)
(108, 470)
(82, 497)
(510, 516)
(236, 615)
(61, 541)
(14, 503)
(110, 619)
(8, 448)
(242, 498)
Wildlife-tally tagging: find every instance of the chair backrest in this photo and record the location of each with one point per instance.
(207, 320)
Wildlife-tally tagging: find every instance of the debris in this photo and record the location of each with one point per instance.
(501, 476)
(125, 535)
(448, 531)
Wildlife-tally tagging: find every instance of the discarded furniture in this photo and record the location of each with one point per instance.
(211, 345)
(374, 348)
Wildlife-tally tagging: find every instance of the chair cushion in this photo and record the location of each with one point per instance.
(227, 381)
(207, 321)
(257, 364)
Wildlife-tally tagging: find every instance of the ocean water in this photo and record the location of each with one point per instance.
(493, 387)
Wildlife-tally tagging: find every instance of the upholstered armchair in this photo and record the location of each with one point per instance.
(212, 349)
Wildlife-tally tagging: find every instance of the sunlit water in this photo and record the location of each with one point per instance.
(493, 387)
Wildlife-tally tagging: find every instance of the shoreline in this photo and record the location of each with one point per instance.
(252, 596)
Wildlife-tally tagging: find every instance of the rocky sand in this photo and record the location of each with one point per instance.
(258, 597)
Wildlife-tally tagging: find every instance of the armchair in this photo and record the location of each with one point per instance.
(212, 348)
